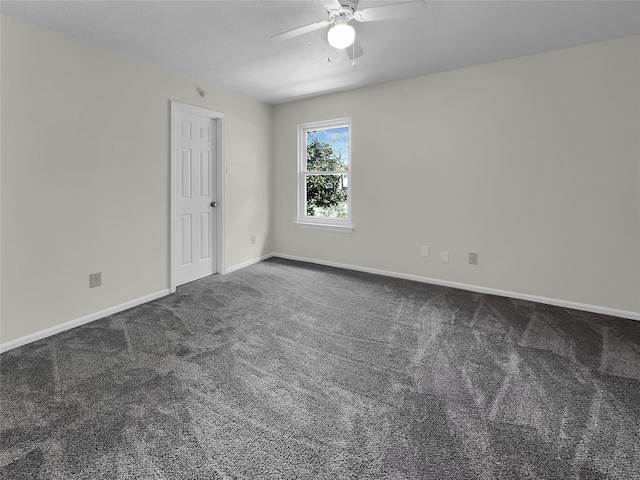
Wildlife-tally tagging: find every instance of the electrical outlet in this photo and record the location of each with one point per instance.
(444, 256)
(253, 239)
(424, 250)
(95, 280)
(473, 258)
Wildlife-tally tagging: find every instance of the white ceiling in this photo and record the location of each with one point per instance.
(226, 43)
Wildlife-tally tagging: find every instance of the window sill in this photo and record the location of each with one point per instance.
(325, 227)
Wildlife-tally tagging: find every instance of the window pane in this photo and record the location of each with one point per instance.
(326, 196)
(328, 149)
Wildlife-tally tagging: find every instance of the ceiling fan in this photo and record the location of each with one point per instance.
(341, 33)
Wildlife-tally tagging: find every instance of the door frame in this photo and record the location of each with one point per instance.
(220, 184)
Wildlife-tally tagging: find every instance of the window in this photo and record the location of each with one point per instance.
(324, 175)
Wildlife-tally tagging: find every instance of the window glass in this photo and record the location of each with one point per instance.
(325, 172)
(327, 196)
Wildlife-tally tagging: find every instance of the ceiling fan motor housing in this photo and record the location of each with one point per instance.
(350, 5)
(347, 10)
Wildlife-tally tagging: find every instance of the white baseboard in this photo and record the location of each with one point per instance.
(81, 321)
(248, 263)
(474, 288)
(435, 281)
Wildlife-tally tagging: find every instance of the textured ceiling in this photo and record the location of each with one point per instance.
(226, 43)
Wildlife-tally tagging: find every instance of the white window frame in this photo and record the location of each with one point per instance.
(342, 225)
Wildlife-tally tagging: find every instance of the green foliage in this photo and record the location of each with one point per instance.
(325, 192)
(322, 157)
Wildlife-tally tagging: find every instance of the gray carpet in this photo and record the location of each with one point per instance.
(291, 370)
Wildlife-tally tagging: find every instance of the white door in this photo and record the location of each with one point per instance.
(195, 222)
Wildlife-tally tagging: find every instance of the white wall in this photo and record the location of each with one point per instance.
(85, 177)
(534, 163)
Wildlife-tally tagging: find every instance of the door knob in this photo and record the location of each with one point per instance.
(214, 204)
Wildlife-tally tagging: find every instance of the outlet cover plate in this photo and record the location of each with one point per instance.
(95, 280)
(444, 256)
(473, 258)
(424, 250)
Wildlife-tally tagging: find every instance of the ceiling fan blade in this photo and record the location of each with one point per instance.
(355, 50)
(300, 31)
(388, 12)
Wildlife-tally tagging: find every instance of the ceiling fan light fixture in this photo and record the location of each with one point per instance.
(341, 35)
